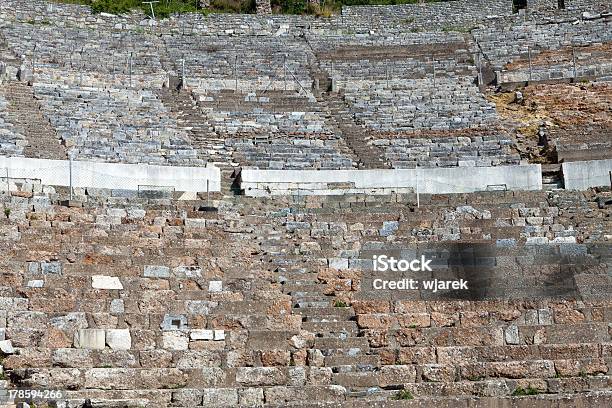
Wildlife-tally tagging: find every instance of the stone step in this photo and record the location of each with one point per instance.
(352, 361)
(343, 344)
(25, 112)
(346, 327)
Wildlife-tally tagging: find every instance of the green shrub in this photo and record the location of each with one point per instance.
(340, 303)
(403, 395)
(520, 391)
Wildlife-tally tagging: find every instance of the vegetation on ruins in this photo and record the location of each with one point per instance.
(520, 391)
(403, 395)
(340, 303)
(165, 8)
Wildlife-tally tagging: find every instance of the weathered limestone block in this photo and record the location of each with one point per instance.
(155, 358)
(215, 286)
(219, 397)
(212, 377)
(90, 339)
(187, 397)
(156, 271)
(110, 378)
(69, 357)
(60, 378)
(175, 340)
(6, 346)
(174, 322)
(117, 306)
(512, 335)
(397, 374)
(70, 322)
(198, 359)
(201, 334)
(251, 397)
(271, 358)
(119, 339)
(259, 376)
(106, 282)
(523, 369)
(438, 373)
(320, 376)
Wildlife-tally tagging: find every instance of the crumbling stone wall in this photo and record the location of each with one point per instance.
(142, 298)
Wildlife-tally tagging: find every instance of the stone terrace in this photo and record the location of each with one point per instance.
(508, 46)
(254, 88)
(139, 300)
(11, 141)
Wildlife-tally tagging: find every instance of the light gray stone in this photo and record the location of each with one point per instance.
(106, 282)
(156, 271)
(175, 340)
(259, 376)
(90, 339)
(119, 339)
(201, 334)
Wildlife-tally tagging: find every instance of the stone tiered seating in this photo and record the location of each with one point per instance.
(11, 141)
(250, 62)
(275, 129)
(401, 88)
(99, 58)
(118, 125)
(150, 301)
(419, 104)
(422, 150)
(553, 47)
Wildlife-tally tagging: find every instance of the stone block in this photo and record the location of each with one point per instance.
(259, 376)
(90, 339)
(106, 282)
(201, 334)
(51, 268)
(389, 227)
(251, 397)
(36, 283)
(117, 306)
(156, 271)
(174, 322)
(396, 375)
(338, 263)
(119, 339)
(219, 335)
(215, 286)
(512, 335)
(226, 397)
(6, 347)
(175, 340)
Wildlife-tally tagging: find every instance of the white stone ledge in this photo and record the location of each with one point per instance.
(112, 175)
(446, 180)
(581, 175)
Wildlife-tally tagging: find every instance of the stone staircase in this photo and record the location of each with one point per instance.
(264, 303)
(552, 177)
(355, 137)
(210, 147)
(7, 57)
(24, 112)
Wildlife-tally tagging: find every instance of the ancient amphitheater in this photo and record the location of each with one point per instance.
(191, 206)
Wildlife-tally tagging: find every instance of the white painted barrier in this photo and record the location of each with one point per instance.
(441, 180)
(581, 175)
(112, 175)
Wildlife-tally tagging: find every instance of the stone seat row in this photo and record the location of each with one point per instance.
(115, 125)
